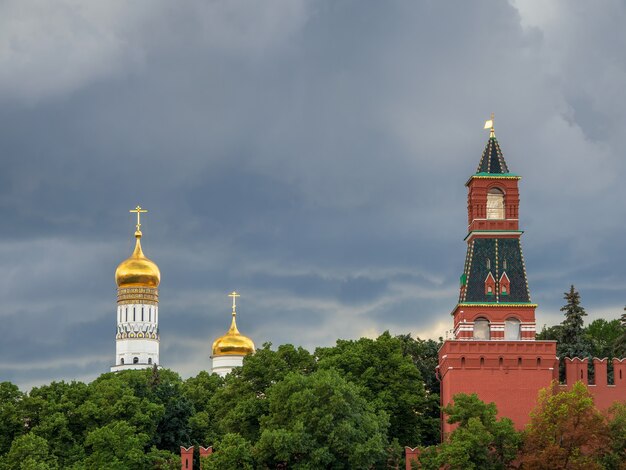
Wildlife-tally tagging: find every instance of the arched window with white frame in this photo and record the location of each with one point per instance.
(512, 329)
(481, 329)
(495, 204)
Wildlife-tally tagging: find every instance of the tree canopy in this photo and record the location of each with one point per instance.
(346, 406)
(481, 440)
(352, 405)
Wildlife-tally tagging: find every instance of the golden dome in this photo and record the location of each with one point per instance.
(137, 271)
(233, 343)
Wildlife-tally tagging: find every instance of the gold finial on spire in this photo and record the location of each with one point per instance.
(234, 295)
(139, 211)
(490, 125)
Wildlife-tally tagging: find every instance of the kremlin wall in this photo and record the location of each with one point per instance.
(493, 353)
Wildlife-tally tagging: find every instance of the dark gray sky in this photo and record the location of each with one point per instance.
(310, 154)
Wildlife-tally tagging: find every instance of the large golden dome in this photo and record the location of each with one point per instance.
(233, 343)
(137, 271)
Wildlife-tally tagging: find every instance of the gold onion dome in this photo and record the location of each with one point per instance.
(137, 271)
(233, 343)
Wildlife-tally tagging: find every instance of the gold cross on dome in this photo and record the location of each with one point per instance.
(139, 211)
(234, 295)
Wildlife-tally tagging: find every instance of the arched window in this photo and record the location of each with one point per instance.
(501, 362)
(149, 360)
(495, 204)
(512, 329)
(463, 364)
(519, 362)
(538, 362)
(482, 361)
(481, 328)
(135, 360)
(122, 361)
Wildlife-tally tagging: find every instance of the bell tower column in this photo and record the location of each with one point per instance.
(137, 334)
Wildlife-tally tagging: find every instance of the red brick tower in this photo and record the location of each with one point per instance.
(494, 352)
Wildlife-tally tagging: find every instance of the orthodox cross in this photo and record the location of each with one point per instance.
(234, 295)
(139, 211)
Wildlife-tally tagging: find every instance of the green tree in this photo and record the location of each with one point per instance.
(115, 397)
(602, 335)
(11, 415)
(320, 421)
(425, 356)
(29, 452)
(232, 452)
(51, 413)
(239, 404)
(166, 388)
(390, 381)
(552, 333)
(199, 391)
(481, 441)
(162, 460)
(162, 388)
(619, 347)
(566, 431)
(116, 446)
(615, 457)
(573, 342)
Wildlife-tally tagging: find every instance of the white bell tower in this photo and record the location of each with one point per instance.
(137, 335)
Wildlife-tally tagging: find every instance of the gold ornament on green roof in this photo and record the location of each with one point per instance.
(490, 125)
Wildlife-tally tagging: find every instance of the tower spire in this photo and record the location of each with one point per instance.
(492, 161)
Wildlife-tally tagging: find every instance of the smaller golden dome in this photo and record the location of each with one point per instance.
(137, 271)
(233, 343)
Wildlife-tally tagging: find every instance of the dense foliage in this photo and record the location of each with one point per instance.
(481, 441)
(353, 405)
(566, 431)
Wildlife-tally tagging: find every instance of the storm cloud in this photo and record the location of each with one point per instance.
(310, 154)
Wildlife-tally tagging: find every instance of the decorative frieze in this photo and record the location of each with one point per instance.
(138, 295)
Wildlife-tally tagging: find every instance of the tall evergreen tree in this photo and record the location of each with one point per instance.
(573, 341)
(619, 348)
